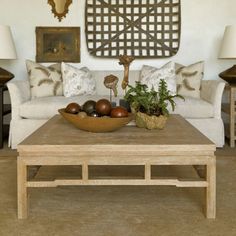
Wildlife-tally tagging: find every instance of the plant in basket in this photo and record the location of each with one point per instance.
(149, 106)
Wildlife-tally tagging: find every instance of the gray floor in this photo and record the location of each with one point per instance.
(113, 211)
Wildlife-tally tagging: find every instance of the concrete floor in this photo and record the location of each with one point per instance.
(113, 211)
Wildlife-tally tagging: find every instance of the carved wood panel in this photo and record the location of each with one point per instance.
(139, 28)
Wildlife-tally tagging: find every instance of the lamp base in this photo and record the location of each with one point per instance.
(5, 76)
(229, 75)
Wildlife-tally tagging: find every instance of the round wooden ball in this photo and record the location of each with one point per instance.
(72, 108)
(119, 112)
(103, 107)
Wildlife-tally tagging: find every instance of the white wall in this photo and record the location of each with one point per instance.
(203, 23)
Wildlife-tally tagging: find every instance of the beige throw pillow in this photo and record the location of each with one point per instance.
(151, 76)
(77, 81)
(44, 81)
(188, 79)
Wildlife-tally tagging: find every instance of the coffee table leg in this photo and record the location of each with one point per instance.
(211, 190)
(21, 189)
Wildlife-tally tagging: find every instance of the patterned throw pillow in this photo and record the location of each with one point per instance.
(77, 81)
(188, 79)
(44, 81)
(151, 76)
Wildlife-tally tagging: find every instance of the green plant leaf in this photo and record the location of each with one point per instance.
(150, 101)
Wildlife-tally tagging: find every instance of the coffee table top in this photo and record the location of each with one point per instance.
(178, 133)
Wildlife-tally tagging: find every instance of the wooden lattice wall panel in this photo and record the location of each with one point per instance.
(139, 28)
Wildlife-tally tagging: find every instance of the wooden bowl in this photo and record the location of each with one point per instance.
(96, 124)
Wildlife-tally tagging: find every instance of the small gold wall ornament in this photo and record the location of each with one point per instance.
(125, 61)
(60, 8)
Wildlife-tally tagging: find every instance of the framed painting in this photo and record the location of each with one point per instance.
(57, 44)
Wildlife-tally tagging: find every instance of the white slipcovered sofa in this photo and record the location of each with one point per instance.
(28, 115)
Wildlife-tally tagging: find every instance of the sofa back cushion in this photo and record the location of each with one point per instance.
(189, 79)
(77, 81)
(44, 81)
(151, 76)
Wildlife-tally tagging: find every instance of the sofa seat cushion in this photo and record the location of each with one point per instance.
(193, 108)
(47, 107)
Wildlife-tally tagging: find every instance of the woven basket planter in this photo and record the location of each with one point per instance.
(150, 122)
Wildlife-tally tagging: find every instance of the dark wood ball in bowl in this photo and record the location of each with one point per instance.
(89, 106)
(73, 108)
(94, 114)
(103, 107)
(119, 112)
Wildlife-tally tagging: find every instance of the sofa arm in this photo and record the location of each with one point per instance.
(212, 91)
(19, 91)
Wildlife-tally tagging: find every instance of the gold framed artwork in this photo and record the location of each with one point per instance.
(57, 44)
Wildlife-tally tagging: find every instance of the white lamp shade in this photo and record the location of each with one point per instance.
(228, 46)
(7, 46)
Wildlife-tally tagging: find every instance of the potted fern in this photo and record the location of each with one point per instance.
(149, 106)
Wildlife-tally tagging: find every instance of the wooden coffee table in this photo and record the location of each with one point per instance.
(59, 143)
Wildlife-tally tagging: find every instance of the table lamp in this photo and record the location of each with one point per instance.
(7, 51)
(228, 51)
